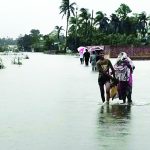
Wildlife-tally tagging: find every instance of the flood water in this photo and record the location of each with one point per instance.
(52, 102)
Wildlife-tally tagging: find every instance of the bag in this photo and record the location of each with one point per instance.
(113, 92)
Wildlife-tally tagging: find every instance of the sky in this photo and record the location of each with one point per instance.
(18, 17)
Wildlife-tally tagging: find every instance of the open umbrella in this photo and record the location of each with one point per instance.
(96, 48)
(81, 49)
(92, 49)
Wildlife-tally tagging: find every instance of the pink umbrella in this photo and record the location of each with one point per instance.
(92, 49)
(96, 48)
(81, 49)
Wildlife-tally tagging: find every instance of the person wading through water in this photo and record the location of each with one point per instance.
(123, 71)
(86, 57)
(103, 66)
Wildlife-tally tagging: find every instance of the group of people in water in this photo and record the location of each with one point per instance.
(117, 76)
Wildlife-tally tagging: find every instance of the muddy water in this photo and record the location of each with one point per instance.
(53, 102)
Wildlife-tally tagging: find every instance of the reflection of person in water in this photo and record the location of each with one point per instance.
(116, 111)
(113, 125)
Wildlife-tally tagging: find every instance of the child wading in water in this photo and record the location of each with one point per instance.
(103, 67)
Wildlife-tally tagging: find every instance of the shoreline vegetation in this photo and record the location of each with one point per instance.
(53, 52)
(123, 30)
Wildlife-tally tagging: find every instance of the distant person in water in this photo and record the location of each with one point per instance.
(93, 61)
(123, 71)
(104, 66)
(86, 57)
(81, 57)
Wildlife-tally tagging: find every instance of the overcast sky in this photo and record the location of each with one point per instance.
(20, 16)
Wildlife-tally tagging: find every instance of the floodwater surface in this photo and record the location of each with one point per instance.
(52, 102)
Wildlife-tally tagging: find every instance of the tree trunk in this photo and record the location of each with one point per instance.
(66, 35)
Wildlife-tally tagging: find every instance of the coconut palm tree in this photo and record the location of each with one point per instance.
(114, 23)
(58, 30)
(102, 21)
(84, 24)
(67, 8)
(142, 23)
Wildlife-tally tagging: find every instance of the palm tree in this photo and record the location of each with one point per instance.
(142, 23)
(84, 24)
(114, 23)
(67, 9)
(101, 20)
(58, 30)
(72, 25)
(122, 13)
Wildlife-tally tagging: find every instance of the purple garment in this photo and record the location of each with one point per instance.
(130, 79)
(123, 89)
(124, 74)
(122, 70)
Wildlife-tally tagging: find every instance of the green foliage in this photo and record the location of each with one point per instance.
(24, 43)
(7, 41)
(1, 49)
(123, 11)
(119, 28)
(67, 8)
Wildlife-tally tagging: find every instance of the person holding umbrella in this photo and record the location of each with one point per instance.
(81, 51)
(81, 57)
(103, 66)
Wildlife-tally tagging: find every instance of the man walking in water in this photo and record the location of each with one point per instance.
(103, 67)
(86, 57)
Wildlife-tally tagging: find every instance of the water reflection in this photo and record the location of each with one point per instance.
(113, 125)
(116, 111)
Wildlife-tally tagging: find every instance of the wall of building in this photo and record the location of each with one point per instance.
(141, 52)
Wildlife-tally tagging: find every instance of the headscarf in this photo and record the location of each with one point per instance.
(122, 56)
